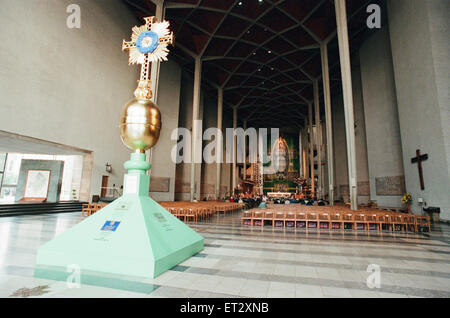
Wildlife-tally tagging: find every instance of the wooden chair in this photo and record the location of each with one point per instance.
(290, 218)
(279, 217)
(190, 214)
(181, 214)
(258, 218)
(92, 209)
(336, 218)
(360, 218)
(300, 219)
(398, 219)
(85, 209)
(410, 222)
(348, 218)
(247, 217)
(312, 218)
(371, 218)
(383, 219)
(268, 217)
(324, 218)
(422, 221)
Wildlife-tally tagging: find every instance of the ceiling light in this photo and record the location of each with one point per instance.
(239, 3)
(270, 52)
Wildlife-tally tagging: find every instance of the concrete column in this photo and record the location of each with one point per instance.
(245, 152)
(234, 181)
(311, 149)
(306, 152)
(219, 141)
(300, 150)
(318, 138)
(154, 76)
(344, 53)
(328, 121)
(195, 117)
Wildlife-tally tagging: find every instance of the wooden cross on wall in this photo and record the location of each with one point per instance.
(418, 159)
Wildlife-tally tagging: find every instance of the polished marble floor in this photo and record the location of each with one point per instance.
(240, 261)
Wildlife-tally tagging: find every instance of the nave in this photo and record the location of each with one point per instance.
(243, 261)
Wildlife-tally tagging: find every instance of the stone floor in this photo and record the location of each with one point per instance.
(239, 261)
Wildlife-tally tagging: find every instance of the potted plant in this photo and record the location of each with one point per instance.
(407, 199)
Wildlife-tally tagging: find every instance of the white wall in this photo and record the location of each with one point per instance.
(381, 114)
(67, 85)
(420, 49)
(168, 104)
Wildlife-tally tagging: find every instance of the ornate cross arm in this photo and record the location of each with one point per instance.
(148, 44)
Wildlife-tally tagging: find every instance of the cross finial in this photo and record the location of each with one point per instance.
(148, 44)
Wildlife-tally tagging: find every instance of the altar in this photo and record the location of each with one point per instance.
(278, 195)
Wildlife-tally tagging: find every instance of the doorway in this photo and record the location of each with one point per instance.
(104, 186)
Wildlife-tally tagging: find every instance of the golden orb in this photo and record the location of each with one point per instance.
(140, 124)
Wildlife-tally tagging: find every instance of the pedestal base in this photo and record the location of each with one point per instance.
(132, 236)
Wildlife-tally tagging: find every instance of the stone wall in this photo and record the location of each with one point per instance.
(382, 124)
(420, 51)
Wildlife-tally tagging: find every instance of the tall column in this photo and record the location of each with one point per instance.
(344, 54)
(154, 79)
(300, 150)
(195, 117)
(219, 141)
(328, 121)
(234, 150)
(318, 139)
(307, 152)
(311, 149)
(304, 152)
(245, 152)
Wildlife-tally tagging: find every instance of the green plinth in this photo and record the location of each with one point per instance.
(131, 236)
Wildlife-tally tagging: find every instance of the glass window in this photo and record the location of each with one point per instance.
(2, 161)
(8, 194)
(12, 169)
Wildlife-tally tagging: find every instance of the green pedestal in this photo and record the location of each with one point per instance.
(132, 236)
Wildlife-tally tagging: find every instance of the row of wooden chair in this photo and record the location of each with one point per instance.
(90, 208)
(199, 211)
(337, 220)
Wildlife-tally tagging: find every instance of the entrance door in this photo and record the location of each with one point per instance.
(104, 186)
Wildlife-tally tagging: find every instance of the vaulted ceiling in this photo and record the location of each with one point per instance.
(264, 53)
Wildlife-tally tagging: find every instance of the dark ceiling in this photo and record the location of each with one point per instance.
(264, 53)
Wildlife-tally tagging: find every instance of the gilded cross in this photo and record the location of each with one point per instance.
(148, 44)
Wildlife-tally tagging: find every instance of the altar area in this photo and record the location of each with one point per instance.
(279, 195)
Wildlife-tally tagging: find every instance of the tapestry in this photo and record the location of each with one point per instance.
(281, 171)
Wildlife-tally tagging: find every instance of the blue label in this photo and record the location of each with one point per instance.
(110, 226)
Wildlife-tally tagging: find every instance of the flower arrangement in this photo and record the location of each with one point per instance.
(406, 199)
